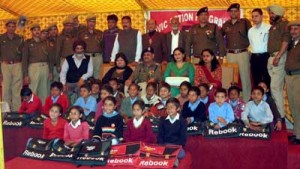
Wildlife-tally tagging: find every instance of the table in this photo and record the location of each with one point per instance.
(15, 140)
(239, 153)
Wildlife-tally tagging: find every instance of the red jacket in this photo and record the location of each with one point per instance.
(32, 106)
(62, 100)
(57, 131)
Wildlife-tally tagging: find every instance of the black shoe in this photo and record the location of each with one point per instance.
(296, 141)
(292, 137)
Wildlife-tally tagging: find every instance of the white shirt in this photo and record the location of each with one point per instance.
(174, 42)
(138, 51)
(137, 123)
(258, 38)
(78, 123)
(174, 119)
(65, 68)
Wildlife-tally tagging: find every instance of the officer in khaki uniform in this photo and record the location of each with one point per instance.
(77, 27)
(36, 62)
(93, 39)
(146, 71)
(235, 31)
(11, 66)
(279, 38)
(204, 35)
(292, 68)
(65, 40)
(52, 42)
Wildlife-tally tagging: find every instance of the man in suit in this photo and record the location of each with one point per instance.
(175, 38)
(155, 40)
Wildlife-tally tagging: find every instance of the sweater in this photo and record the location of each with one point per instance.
(57, 131)
(62, 100)
(198, 114)
(143, 133)
(76, 134)
(112, 125)
(34, 105)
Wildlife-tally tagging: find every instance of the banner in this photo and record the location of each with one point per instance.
(186, 18)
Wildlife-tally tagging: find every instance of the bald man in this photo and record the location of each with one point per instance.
(155, 40)
(175, 38)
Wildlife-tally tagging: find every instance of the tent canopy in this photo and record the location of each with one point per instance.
(37, 8)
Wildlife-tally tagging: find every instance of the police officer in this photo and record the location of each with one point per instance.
(235, 31)
(292, 68)
(279, 38)
(204, 35)
(77, 27)
(93, 39)
(11, 66)
(37, 66)
(52, 42)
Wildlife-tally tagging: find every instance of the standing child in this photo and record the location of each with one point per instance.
(86, 101)
(159, 110)
(193, 109)
(150, 98)
(257, 114)
(126, 106)
(54, 126)
(235, 101)
(220, 112)
(105, 91)
(110, 124)
(31, 103)
(269, 99)
(76, 130)
(184, 91)
(56, 96)
(113, 83)
(204, 98)
(139, 128)
(173, 128)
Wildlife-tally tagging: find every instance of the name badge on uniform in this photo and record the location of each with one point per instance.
(208, 32)
(86, 37)
(274, 28)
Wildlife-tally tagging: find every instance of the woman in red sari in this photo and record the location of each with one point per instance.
(209, 71)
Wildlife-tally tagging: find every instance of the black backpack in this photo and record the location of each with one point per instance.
(15, 119)
(37, 148)
(61, 152)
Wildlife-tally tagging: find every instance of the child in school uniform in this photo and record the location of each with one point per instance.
(113, 83)
(220, 112)
(193, 109)
(173, 128)
(126, 106)
(235, 101)
(96, 86)
(204, 96)
(31, 103)
(55, 124)
(159, 109)
(257, 114)
(56, 96)
(105, 91)
(184, 91)
(150, 98)
(110, 124)
(76, 130)
(139, 128)
(269, 99)
(86, 101)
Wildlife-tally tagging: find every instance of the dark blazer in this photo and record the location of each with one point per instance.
(181, 43)
(158, 44)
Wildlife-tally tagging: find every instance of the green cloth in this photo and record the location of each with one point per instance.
(172, 70)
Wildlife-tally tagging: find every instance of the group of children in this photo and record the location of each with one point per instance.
(112, 110)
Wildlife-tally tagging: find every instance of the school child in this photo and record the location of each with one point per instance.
(76, 130)
(86, 101)
(235, 101)
(113, 83)
(105, 91)
(31, 103)
(204, 96)
(184, 91)
(150, 98)
(96, 86)
(139, 128)
(54, 125)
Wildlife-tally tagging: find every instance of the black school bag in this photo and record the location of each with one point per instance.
(15, 119)
(37, 121)
(37, 148)
(61, 152)
(93, 153)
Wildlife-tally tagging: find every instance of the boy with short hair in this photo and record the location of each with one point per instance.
(86, 101)
(173, 128)
(204, 92)
(257, 113)
(56, 96)
(220, 112)
(159, 109)
(119, 96)
(96, 86)
(31, 103)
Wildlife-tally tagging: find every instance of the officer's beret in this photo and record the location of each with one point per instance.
(204, 9)
(234, 5)
(149, 49)
(73, 16)
(51, 25)
(34, 25)
(11, 21)
(294, 23)
(276, 9)
(91, 18)
(68, 21)
(44, 30)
